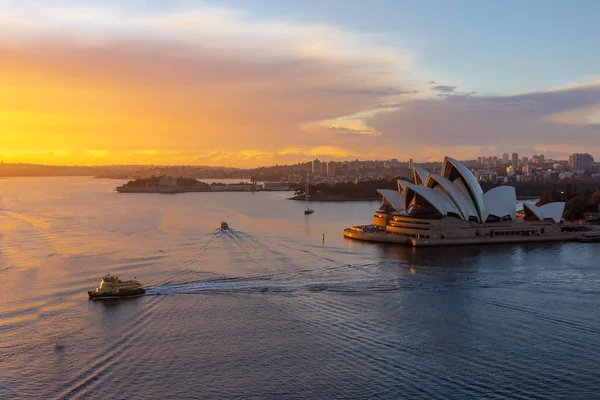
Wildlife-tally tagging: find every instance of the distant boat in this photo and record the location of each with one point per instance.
(589, 237)
(223, 226)
(307, 210)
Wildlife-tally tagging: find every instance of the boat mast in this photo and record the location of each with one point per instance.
(307, 188)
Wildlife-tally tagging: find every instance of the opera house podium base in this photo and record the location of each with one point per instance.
(373, 234)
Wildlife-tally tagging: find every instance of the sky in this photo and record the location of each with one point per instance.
(243, 84)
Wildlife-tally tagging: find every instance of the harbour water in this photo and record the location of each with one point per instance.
(271, 310)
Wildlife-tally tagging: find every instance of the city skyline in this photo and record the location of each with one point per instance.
(321, 167)
(226, 84)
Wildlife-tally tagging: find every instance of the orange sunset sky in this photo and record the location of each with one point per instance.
(100, 83)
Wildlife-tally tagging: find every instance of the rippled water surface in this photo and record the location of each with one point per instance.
(268, 310)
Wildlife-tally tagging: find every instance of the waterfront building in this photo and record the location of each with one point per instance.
(581, 162)
(450, 208)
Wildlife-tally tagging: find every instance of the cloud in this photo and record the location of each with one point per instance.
(380, 92)
(470, 125)
(389, 105)
(341, 129)
(214, 85)
(103, 77)
(444, 88)
(288, 155)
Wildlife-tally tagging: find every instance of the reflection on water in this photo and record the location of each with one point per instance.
(267, 310)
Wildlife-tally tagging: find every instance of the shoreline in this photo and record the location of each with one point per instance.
(301, 198)
(329, 200)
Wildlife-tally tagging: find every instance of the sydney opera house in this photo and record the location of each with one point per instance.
(452, 209)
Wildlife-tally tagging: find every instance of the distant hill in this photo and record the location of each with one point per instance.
(119, 171)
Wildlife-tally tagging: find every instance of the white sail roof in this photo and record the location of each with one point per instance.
(395, 198)
(553, 211)
(462, 188)
(402, 184)
(501, 201)
(460, 197)
(439, 200)
(452, 170)
(420, 175)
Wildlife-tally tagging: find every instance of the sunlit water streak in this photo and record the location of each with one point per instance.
(269, 310)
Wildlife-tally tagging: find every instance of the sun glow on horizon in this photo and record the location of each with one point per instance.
(92, 84)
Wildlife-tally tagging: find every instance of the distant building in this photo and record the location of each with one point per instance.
(345, 169)
(316, 167)
(565, 175)
(394, 163)
(505, 157)
(524, 160)
(330, 168)
(411, 164)
(581, 162)
(515, 161)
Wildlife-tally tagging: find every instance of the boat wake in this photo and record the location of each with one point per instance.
(269, 285)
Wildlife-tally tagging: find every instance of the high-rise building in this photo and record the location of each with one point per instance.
(345, 168)
(410, 164)
(394, 163)
(524, 160)
(505, 157)
(515, 161)
(538, 159)
(316, 167)
(581, 162)
(330, 168)
(480, 160)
